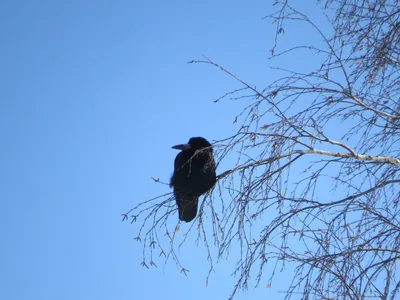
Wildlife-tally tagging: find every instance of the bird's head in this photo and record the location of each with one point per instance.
(195, 143)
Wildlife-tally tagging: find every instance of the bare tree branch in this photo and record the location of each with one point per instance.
(312, 185)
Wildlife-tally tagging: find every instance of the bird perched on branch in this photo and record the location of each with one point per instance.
(194, 175)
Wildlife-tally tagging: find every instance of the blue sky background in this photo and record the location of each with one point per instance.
(93, 96)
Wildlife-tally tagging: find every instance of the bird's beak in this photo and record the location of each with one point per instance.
(181, 147)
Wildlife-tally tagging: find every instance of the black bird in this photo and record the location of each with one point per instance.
(194, 174)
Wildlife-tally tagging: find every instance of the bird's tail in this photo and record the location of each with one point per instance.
(187, 206)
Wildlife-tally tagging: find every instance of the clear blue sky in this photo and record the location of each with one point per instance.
(93, 95)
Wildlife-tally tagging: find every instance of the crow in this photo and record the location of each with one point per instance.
(194, 174)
